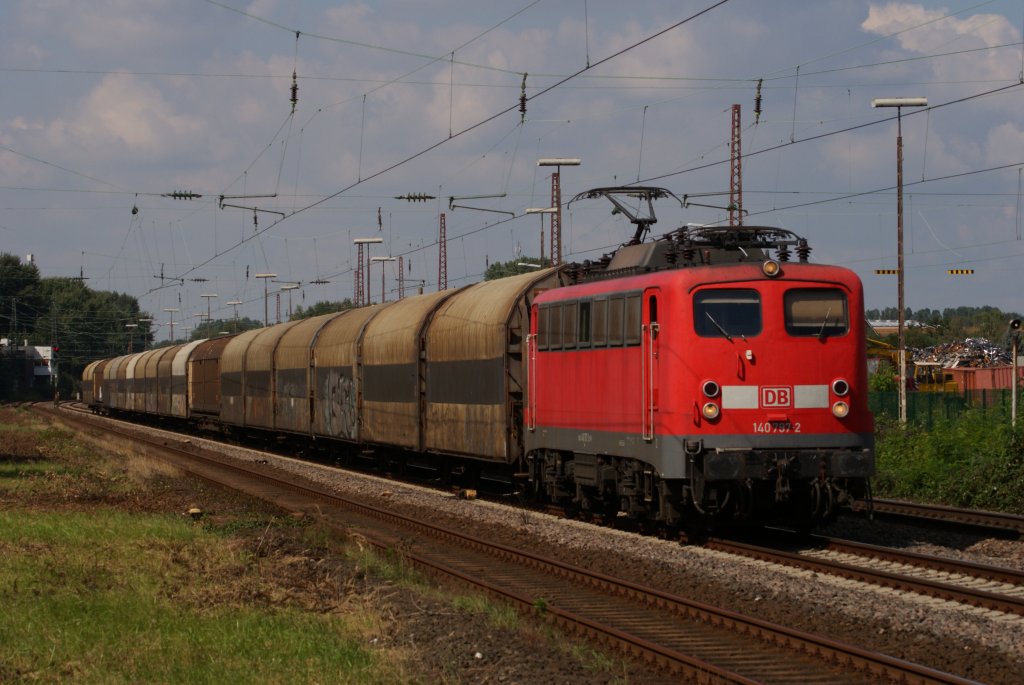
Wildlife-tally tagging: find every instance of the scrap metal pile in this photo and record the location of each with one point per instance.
(971, 352)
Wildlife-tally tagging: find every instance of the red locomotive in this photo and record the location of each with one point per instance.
(692, 378)
(697, 376)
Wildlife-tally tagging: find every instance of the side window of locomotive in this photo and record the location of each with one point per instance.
(599, 315)
(616, 315)
(816, 312)
(569, 325)
(633, 325)
(583, 329)
(543, 327)
(727, 313)
(555, 327)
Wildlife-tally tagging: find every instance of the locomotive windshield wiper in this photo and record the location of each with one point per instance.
(718, 326)
(821, 333)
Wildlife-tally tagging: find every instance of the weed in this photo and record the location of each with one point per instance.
(498, 615)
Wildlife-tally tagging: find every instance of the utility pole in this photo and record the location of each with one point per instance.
(735, 171)
(362, 292)
(442, 256)
(1015, 350)
(357, 291)
(899, 104)
(208, 297)
(171, 310)
(266, 311)
(382, 260)
(556, 202)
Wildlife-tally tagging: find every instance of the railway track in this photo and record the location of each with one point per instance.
(684, 637)
(973, 584)
(1009, 524)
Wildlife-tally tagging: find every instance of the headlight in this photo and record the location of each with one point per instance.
(771, 268)
(710, 389)
(840, 410)
(840, 387)
(711, 411)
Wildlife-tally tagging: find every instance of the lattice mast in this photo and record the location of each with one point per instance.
(735, 171)
(359, 291)
(401, 278)
(556, 219)
(442, 257)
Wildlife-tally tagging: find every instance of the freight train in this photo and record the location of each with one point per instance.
(702, 376)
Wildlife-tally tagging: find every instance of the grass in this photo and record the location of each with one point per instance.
(112, 597)
(500, 616)
(92, 593)
(104, 579)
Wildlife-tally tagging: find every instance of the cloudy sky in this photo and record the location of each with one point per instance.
(106, 106)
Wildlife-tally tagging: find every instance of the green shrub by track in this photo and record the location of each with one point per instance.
(975, 460)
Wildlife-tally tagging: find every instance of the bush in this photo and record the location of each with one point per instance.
(975, 460)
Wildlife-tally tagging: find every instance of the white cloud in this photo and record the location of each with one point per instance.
(125, 115)
(924, 32)
(106, 26)
(1004, 144)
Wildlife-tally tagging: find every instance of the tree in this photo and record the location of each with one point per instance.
(513, 267)
(20, 303)
(320, 308)
(217, 327)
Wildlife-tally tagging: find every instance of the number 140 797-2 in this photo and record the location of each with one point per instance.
(776, 427)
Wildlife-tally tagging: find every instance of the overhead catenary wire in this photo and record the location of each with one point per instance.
(298, 201)
(462, 131)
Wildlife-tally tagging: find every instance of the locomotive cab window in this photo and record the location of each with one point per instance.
(727, 313)
(816, 312)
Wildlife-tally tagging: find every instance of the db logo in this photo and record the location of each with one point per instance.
(781, 396)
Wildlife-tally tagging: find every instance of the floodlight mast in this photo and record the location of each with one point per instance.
(382, 260)
(208, 297)
(899, 104)
(289, 286)
(171, 310)
(556, 201)
(235, 303)
(362, 287)
(542, 211)
(266, 311)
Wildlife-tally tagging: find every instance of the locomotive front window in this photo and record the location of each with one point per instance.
(816, 312)
(727, 313)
